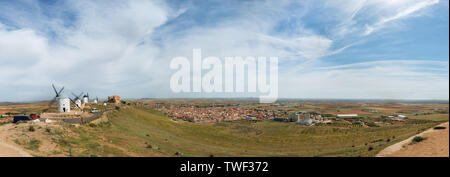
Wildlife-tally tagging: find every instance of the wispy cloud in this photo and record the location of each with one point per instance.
(124, 47)
(403, 13)
(390, 79)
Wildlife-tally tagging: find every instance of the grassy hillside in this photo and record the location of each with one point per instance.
(432, 117)
(140, 131)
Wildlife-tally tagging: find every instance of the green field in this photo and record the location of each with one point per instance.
(138, 131)
(432, 117)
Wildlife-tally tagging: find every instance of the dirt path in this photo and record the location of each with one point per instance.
(437, 145)
(7, 150)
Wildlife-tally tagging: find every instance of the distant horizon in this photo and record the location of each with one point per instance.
(279, 100)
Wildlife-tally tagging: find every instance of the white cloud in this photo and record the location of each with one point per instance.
(123, 47)
(313, 47)
(102, 52)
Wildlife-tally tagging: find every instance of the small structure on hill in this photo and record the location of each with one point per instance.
(397, 117)
(307, 121)
(116, 99)
(344, 116)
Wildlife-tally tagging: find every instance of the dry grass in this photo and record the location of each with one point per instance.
(132, 131)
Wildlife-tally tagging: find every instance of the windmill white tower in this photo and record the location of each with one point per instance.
(63, 103)
(79, 107)
(96, 100)
(77, 99)
(86, 98)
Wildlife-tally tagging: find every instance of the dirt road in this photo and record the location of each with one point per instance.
(436, 145)
(8, 150)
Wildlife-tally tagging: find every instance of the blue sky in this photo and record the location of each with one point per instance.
(379, 49)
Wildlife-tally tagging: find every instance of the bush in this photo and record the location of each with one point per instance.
(31, 128)
(439, 128)
(372, 124)
(33, 144)
(418, 139)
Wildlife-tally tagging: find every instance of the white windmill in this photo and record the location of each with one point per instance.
(63, 103)
(77, 99)
(96, 100)
(76, 104)
(86, 98)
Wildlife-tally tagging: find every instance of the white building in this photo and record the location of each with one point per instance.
(85, 99)
(343, 116)
(402, 117)
(307, 121)
(78, 102)
(64, 105)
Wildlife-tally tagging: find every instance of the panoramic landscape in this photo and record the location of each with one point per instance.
(224, 78)
(228, 127)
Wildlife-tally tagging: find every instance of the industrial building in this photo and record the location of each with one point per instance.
(346, 116)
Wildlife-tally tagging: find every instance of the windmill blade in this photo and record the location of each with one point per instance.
(81, 94)
(74, 103)
(60, 91)
(76, 97)
(56, 92)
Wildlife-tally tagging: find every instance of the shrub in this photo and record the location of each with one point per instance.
(31, 128)
(418, 139)
(372, 124)
(33, 144)
(439, 128)
(370, 148)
